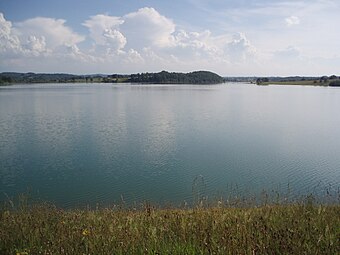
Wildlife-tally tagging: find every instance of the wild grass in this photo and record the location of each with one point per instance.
(295, 228)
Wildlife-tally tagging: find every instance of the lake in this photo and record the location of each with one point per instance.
(88, 144)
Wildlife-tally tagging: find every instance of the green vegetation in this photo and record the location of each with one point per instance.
(297, 80)
(262, 81)
(335, 83)
(9, 77)
(164, 77)
(199, 77)
(297, 228)
(5, 80)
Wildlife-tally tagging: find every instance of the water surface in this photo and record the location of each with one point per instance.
(84, 144)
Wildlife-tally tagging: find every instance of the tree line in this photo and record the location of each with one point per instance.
(198, 77)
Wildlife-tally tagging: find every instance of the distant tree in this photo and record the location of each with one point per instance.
(334, 83)
(324, 79)
(5, 80)
(261, 80)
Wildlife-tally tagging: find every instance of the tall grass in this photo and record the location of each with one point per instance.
(295, 228)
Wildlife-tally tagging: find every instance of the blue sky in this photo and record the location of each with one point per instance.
(230, 37)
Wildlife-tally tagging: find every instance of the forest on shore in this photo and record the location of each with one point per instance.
(164, 77)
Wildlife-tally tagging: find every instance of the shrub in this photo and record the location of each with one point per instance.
(334, 83)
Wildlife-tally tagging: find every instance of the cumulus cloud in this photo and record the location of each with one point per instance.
(292, 21)
(9, 42)
(115, 39)
(38, 44)
(35, 45)
(196, 40)
(196, 46)
(104, 30)
(146, 36)
(147, 27)
(134, 56)
(240, 48)
(143, 40)
(146, 40)
(55, 32)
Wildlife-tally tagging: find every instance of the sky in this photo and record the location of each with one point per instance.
(229, 37)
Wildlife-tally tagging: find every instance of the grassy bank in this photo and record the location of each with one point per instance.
(269, 229)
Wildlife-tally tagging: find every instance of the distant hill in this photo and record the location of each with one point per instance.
(198, 77)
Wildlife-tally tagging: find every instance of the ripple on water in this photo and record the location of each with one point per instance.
(89, 144)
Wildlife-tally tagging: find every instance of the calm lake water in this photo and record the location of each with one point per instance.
(83, 144)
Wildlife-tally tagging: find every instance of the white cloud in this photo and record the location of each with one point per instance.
(35, 45)
(55, 32)
(142, 41)
(9, 42)
(115, 39)
(292, 21)
(134, 56)
(240, 49)
(146, 40)
(194, 45)
(195, 40)
(40, 45)
(74, 54)
(104, 30)
(147, 27)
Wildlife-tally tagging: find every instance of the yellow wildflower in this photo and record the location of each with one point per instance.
(22, 253)
(86, 232)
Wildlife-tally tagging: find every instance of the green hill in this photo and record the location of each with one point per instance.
(198, 77)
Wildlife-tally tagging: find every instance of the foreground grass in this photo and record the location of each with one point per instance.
(275, 229)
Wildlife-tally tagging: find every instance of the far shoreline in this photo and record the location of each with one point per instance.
(164, 78)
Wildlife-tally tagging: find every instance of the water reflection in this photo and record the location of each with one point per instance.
(80, 144)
